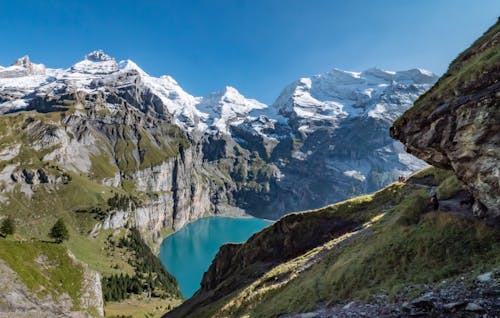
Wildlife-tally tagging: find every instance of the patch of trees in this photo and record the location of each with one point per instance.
(122, 202)
(119, 287)
(59, 232)
(119, 202)
(8, 227)
(116, 202)
(98, 212)
(150, 274)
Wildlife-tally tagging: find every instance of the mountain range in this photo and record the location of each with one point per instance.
(328, 133)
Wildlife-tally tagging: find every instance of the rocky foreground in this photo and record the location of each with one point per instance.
(477, 298)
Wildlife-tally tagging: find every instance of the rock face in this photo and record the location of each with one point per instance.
(17, 300)
(456, 124)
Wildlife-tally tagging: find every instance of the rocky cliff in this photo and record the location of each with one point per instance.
(456, 124)
(32, 286)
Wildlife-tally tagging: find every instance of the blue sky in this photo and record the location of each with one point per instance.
(256, 46)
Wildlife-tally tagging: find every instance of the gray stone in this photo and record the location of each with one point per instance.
(474, 307)
(486, 277)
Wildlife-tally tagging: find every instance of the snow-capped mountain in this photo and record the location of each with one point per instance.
(339, 95)
(227, 107)
(327, 133)
(22, 81)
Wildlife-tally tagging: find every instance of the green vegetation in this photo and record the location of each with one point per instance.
(151, 155)
(8, 226)
(122, 202)
(59, 232)
(430, 176)
(142, 149)
(100, 253)
(119, 287)
(140, 307)
(149, 273)
(449, 187)
(402, 242)
(102, 166)
(45, 268)
(412, 207)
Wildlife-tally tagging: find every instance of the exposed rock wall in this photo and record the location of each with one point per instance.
(456, 125)
(17, 300)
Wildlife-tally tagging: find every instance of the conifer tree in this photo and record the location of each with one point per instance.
(59, 232)
(8, 226)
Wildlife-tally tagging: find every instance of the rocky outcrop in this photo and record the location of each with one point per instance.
(17, 300)
(456, 124)
(39, 176)
(460, 299)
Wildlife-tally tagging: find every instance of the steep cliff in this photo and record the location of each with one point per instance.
(456, 124)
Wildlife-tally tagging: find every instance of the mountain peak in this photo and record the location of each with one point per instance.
(22, 67)
(98, 56)
(23, 61)
(230, 90)
(96, 62)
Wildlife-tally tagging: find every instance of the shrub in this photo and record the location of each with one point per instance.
(59, 232)
(448, 188)
(412, 207)
(8, 227)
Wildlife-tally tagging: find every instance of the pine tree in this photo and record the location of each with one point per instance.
(8, 227)
(59, 232)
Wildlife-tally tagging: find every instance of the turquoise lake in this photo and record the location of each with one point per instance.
(188, 253)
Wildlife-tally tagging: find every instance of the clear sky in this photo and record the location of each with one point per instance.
(258, 46)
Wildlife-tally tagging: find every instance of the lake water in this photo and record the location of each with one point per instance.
(188, 253)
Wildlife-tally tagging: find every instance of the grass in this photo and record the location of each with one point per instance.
(99, 254)
(45, 268)
(102, 166)
(402, 244)
(140, 307)
(430, 176)
(49, 203)
(437, 247)
(449, 187)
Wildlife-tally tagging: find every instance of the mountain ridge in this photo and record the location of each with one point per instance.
(284, 140)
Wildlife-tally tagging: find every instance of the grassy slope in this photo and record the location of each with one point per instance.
(34, 216)
(140, 307)
(45, 268)
(401, 243)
